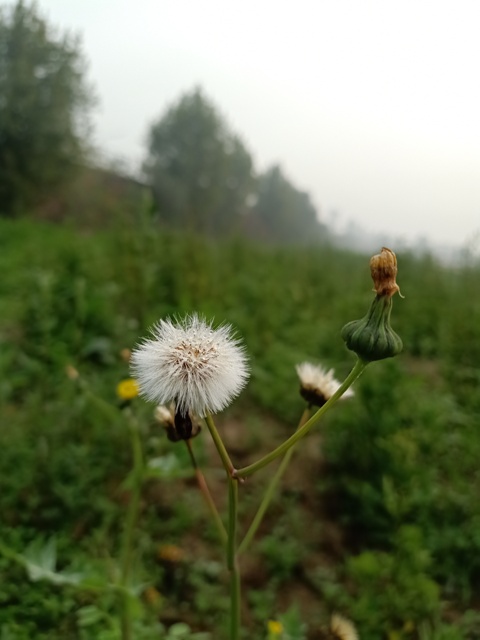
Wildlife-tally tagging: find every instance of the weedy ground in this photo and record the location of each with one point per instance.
(378, 516)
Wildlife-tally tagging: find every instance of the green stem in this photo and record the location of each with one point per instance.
(235, 595)
(132, 515)
(232, 561)
(222, 452)
(270, 491)
(302, 432)
(202, 484)
(232, 521)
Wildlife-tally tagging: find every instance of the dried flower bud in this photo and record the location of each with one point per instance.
(164, 415)
(125, 354)
(372, 337)
(383, 268)
(178, 425)
(170, 553)
(71, 372)
(153, 597)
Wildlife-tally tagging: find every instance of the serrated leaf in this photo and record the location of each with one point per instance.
(178, 630)
(40, 559)
(42, 556)
(89, 615)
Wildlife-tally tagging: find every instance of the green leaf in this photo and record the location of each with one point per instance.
(89, 615)
(167, 467)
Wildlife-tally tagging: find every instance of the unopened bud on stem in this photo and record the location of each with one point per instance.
(372, 337)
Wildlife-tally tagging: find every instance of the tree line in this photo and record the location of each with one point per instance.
(201, 172)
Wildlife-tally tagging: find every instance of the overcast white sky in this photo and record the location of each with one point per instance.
(373, 106)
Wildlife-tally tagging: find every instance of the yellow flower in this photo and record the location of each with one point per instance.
(127, 389)
(275, 628)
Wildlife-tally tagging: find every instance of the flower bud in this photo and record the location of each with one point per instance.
(178, 425)
(372, 337)
(383, 268)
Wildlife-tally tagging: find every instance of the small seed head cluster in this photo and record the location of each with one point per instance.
(198, 368)
(317, 385)
(342, 628)
(164, 415)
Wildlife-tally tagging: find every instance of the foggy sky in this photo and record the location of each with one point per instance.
(371, 106)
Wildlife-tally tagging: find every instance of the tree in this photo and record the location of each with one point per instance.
(282, 213)
(44, 102)
(200, 171)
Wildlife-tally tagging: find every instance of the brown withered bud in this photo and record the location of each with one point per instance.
(372, 337)
(178, 426)
(383, 268)
(71, 372)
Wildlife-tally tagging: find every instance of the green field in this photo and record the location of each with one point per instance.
(379, 515)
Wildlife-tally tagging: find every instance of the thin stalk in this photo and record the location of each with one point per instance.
(302, 432)
(222, 452)
(252, 530)
(132, 515)
(235, 595)
(232, 521)
(202, 485)
(232, 562)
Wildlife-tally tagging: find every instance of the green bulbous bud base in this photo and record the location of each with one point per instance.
(372, 338)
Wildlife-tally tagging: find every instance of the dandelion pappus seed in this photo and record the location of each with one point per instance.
(188, 362)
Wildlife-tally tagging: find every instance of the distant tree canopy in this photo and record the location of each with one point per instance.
(282, 213)
(203, 178)
(201, 172)
(43, 106)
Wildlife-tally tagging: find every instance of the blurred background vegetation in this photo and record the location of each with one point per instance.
(379, 516)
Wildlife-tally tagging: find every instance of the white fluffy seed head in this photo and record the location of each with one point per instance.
(318, 380)
(187, 362)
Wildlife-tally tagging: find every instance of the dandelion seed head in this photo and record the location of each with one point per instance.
(317, 384)
(187, 362)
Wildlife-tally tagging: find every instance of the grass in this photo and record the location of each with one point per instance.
(378, 516)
